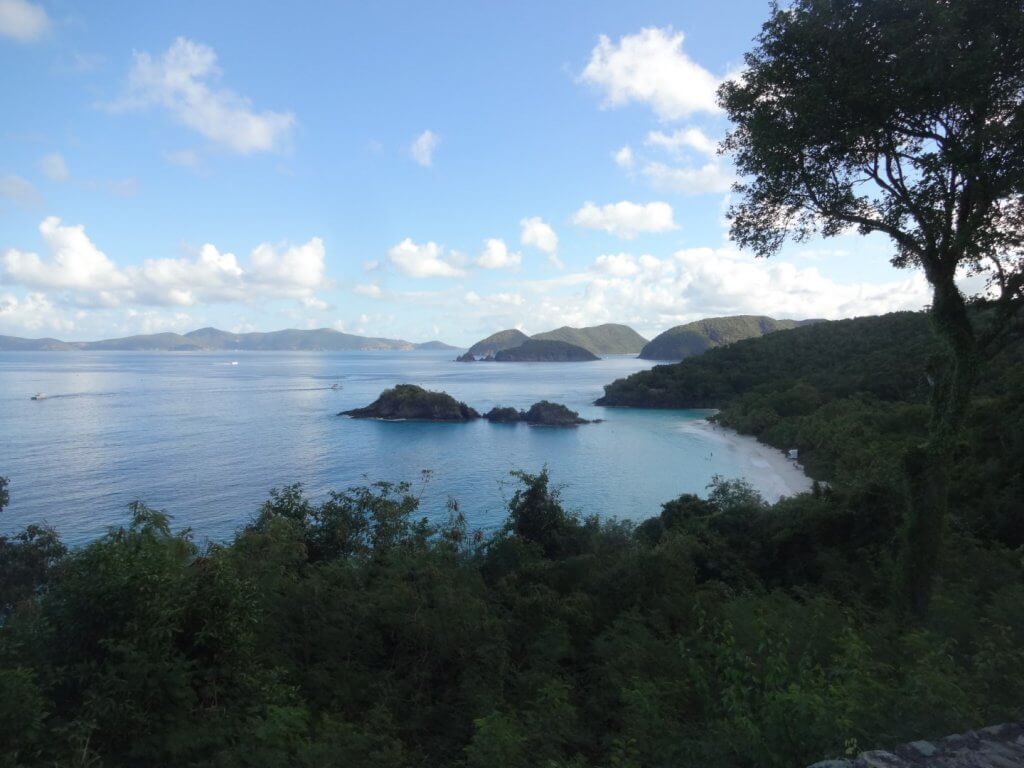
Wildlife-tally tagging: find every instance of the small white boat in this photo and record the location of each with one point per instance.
(234, 362)
(39, 396)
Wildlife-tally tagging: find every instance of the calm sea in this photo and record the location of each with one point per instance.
(203, 436)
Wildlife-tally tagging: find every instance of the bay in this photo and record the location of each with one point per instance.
(204, 436)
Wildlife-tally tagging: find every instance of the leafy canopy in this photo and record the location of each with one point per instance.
(903, 117)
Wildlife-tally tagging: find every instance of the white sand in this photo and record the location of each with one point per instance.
(765, 467)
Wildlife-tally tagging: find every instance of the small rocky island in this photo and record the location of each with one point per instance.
(408, 401)
(542, 414)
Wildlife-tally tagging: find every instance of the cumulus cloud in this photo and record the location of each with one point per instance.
(689, 138)
(651, 67)
(616, 265)
(54, 168)
(496, 255)
(19, 191)
(625, 219)
(623, 157)
(537, 233)
(423, 146)
(74, 264)
(33, 313)
(76, 267)
(657, 293)
(23, 21)
(419, 261)
(184, 82)
(711, 178)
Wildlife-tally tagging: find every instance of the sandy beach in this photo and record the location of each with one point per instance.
(776, 475)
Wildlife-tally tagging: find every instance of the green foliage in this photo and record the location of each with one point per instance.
(724, 632)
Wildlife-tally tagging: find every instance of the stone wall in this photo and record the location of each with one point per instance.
(999, 746)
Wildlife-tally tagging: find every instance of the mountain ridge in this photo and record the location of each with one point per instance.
(691, 339)
(211, 339)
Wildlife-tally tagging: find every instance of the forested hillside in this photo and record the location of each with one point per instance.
(852, 396)
(690, 339)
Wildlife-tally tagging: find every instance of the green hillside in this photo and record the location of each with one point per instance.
(852, 397)
(497, 342)
(693, 338)
(607, 339)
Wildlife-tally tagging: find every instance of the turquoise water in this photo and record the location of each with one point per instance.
(204, 439)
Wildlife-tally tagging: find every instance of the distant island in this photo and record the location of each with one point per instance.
(409, 402)
(691, 339)
(215, 340)
(541, 351)
(607, 339)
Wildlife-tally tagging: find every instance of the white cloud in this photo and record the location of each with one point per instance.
(623, 157)
(54, 168)
(183, 81)
(370, 290)
(654, 294)
(425, 260)
(555, 262)
(625, 219)
(289, 269)
(616, 265)
(536, 232)
(19, 191)
(690, 138)
(651, 67)
(75, 264)
(423, 146)
(34, 313)
(710, 178)
(76, 267)
(23, 21)
(496, 255)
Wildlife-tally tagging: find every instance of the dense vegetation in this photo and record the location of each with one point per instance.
(723, 632)
(691, 339)
(852, 396)
(543, 413)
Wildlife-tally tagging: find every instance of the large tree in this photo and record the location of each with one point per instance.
(906, 118)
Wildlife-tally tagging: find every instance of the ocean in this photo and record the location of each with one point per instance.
(204, 436)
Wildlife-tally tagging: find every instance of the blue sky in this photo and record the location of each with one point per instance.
(410, 170)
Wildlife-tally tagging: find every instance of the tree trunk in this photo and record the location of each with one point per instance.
(928, 466)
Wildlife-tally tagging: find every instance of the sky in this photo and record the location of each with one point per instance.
(401, 169)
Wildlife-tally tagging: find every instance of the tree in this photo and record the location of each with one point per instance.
(906, 118)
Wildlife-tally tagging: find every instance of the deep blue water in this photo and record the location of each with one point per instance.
(204, 440)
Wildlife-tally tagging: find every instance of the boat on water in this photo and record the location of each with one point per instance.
(39, 396)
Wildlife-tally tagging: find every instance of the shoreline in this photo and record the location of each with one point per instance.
(777, 475)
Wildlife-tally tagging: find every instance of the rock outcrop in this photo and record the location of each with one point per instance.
(999, 746)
